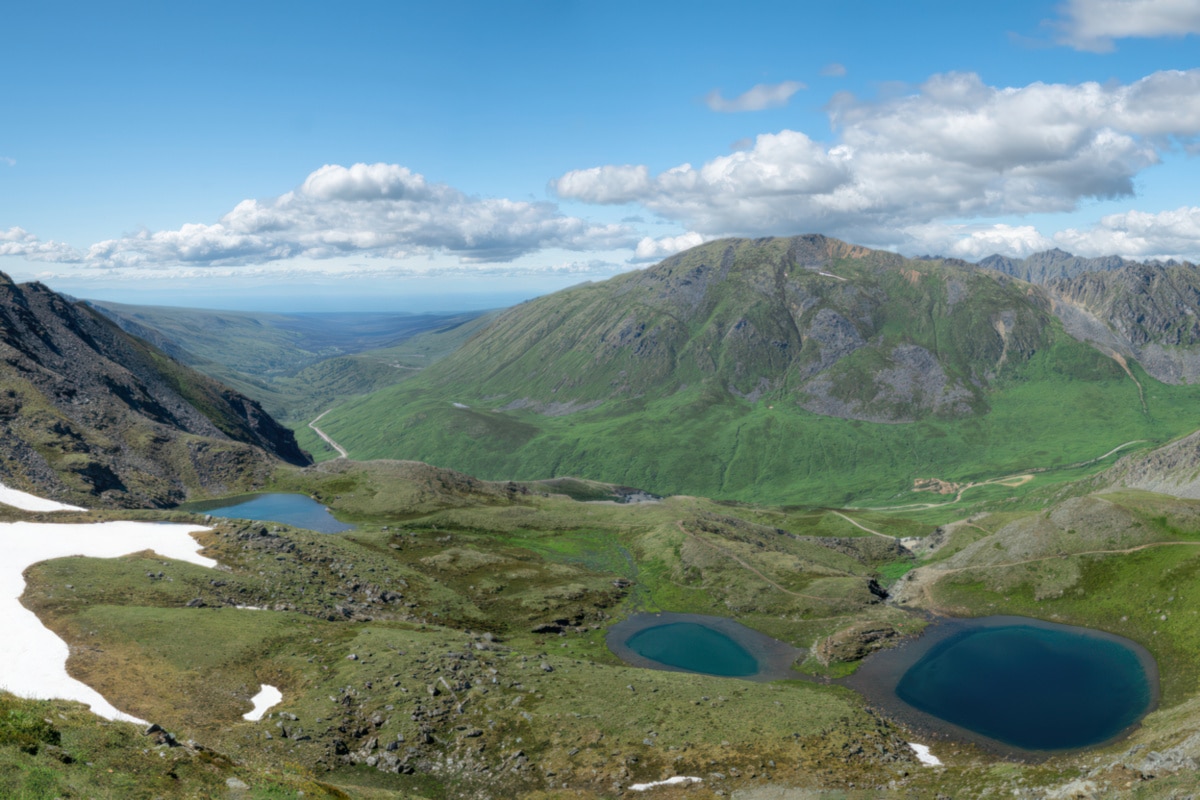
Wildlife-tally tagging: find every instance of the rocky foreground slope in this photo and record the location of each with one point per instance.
(91, 415)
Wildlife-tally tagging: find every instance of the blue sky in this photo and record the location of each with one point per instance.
(405, 156)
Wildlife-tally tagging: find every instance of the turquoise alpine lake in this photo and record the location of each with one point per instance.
(297, 510)
(696, 648)
(703, 644)
(1015, 684)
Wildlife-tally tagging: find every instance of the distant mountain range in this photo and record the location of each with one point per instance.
(297, 365)
(94, 416)
(1050, 265)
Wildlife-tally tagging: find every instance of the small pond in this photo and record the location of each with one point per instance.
(703, 644)
(1013, 684)
(297, 510)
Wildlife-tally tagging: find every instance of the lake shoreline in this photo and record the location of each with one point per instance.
(876, 681)
(283, 508)
(774, 658)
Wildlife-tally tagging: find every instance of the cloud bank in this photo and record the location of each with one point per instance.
(22, 243)
(372, 210)
(955, 148)
(925, 172)
(1093, 24)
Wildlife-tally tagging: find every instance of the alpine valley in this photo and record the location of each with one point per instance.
(833, 446)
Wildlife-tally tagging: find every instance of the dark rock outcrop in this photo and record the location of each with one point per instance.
(92, 415)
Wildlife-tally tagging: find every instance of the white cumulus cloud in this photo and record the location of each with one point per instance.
(973, 242)
(1094, 24)
(1138, 234)
(955, 148)
(758, 98)
(22, 243)
(651, 249)
(382, 210)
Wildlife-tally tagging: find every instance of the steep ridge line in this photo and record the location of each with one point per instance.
(326, 436)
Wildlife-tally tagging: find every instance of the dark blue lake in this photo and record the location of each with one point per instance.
(699, 643)
(1024, 684)
(297, 510)
(695, 648)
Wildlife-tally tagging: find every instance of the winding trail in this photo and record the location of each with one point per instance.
(928, 576)
(326, 437)
(735, 557)
(1016, 479)
(864, 527)
(1066, 555)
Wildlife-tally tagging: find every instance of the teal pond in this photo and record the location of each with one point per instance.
(1014, 684)
(297, 510)
(701, 644)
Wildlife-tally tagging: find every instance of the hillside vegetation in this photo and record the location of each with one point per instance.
(800, 370)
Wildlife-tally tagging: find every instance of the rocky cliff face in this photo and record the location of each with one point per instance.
(836, 328)
(91, 415)
(1149, 312)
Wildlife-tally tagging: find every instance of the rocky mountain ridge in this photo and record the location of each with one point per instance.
(840, 329)
(1146, 312)
(93, 416)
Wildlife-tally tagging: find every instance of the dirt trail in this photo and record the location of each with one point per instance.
(1067, 555)
(728, 554)
(864, 527)
(325, 436)
(1016, 479)
(926, 577)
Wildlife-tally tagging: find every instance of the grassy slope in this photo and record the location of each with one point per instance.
(665, 351)
(1043, 416)
(471, 557)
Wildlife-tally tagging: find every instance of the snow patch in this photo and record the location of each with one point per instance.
(460, 405)
(31, 502)
(267, 698)
(924, 756)
(33, 661)
(641, 787)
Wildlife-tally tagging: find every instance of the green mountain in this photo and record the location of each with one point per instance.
(789, 370)
(94, 416)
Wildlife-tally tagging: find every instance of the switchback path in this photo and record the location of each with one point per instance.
(326, 437)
